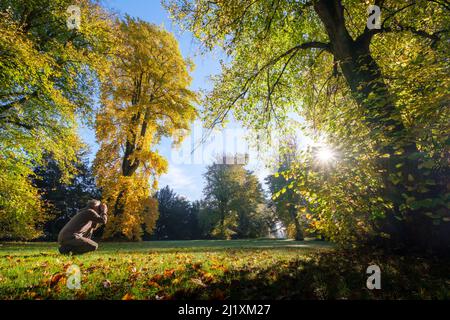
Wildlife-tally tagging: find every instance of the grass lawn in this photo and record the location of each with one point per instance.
(235, 269)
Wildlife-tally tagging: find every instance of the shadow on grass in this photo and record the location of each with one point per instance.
(337, 276)
(329, 275)
(342, 275)
(318, 274)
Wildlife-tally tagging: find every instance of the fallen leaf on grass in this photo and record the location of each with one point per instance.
(55, 279)
(153, 284)
(90, 269)
(208, 277)
(133, 269)
(67, 265)
(163, 297)
(180, 269)
(198, 282)
(220, 267)
(197, 266)
(80, 295)
(128, 296)
(169, 273)
(156, 278)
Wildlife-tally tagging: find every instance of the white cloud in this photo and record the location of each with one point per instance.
(176, 179)
(185, 180)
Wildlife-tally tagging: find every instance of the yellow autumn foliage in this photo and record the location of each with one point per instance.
(144, 98)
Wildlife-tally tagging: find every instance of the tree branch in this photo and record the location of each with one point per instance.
(6, 107)
(434, 37)
(291, 52)
(367, 35)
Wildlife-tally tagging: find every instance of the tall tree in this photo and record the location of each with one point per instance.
(177, 217)
(146, 96)
(251, 210)
(233, 196)
(48, 76)
(287, 204)
(287, 201)
(319, 53)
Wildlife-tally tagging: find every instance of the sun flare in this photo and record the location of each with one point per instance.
(325, 155)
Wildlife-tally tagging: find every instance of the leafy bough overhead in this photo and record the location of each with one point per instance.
(388, 87)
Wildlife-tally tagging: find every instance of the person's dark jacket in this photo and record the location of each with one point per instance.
(81, 225)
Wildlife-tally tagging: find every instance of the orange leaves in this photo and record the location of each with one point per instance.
(197, 266)
(206, 277)
(154, 284)
(156, 278)
(159, 280)
(130, 272)
(169, 273)
(134, 273)
(128, 296)
(55, 279)
(220, 267)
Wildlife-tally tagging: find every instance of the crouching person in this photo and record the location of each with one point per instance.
(76, 235)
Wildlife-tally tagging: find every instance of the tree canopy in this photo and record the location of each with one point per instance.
(379, 96)
(178, 218)
(145, 97)
(48, 76)
(234, 202)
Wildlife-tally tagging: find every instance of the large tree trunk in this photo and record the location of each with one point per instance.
(222, 221)
(365, 80)
(298, 231)
(298, 228)
(138, 129)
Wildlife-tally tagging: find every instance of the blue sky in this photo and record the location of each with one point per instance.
(185, 177)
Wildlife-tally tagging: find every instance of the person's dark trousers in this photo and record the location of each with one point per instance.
(78, 246)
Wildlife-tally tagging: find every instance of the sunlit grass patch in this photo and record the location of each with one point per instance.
(241, 269)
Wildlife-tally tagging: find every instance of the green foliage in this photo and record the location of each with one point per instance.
(48, 76)
(62, 200)
(178, 218)
(234, 202)
(290, 207)
(379, 98)
(20, 208)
